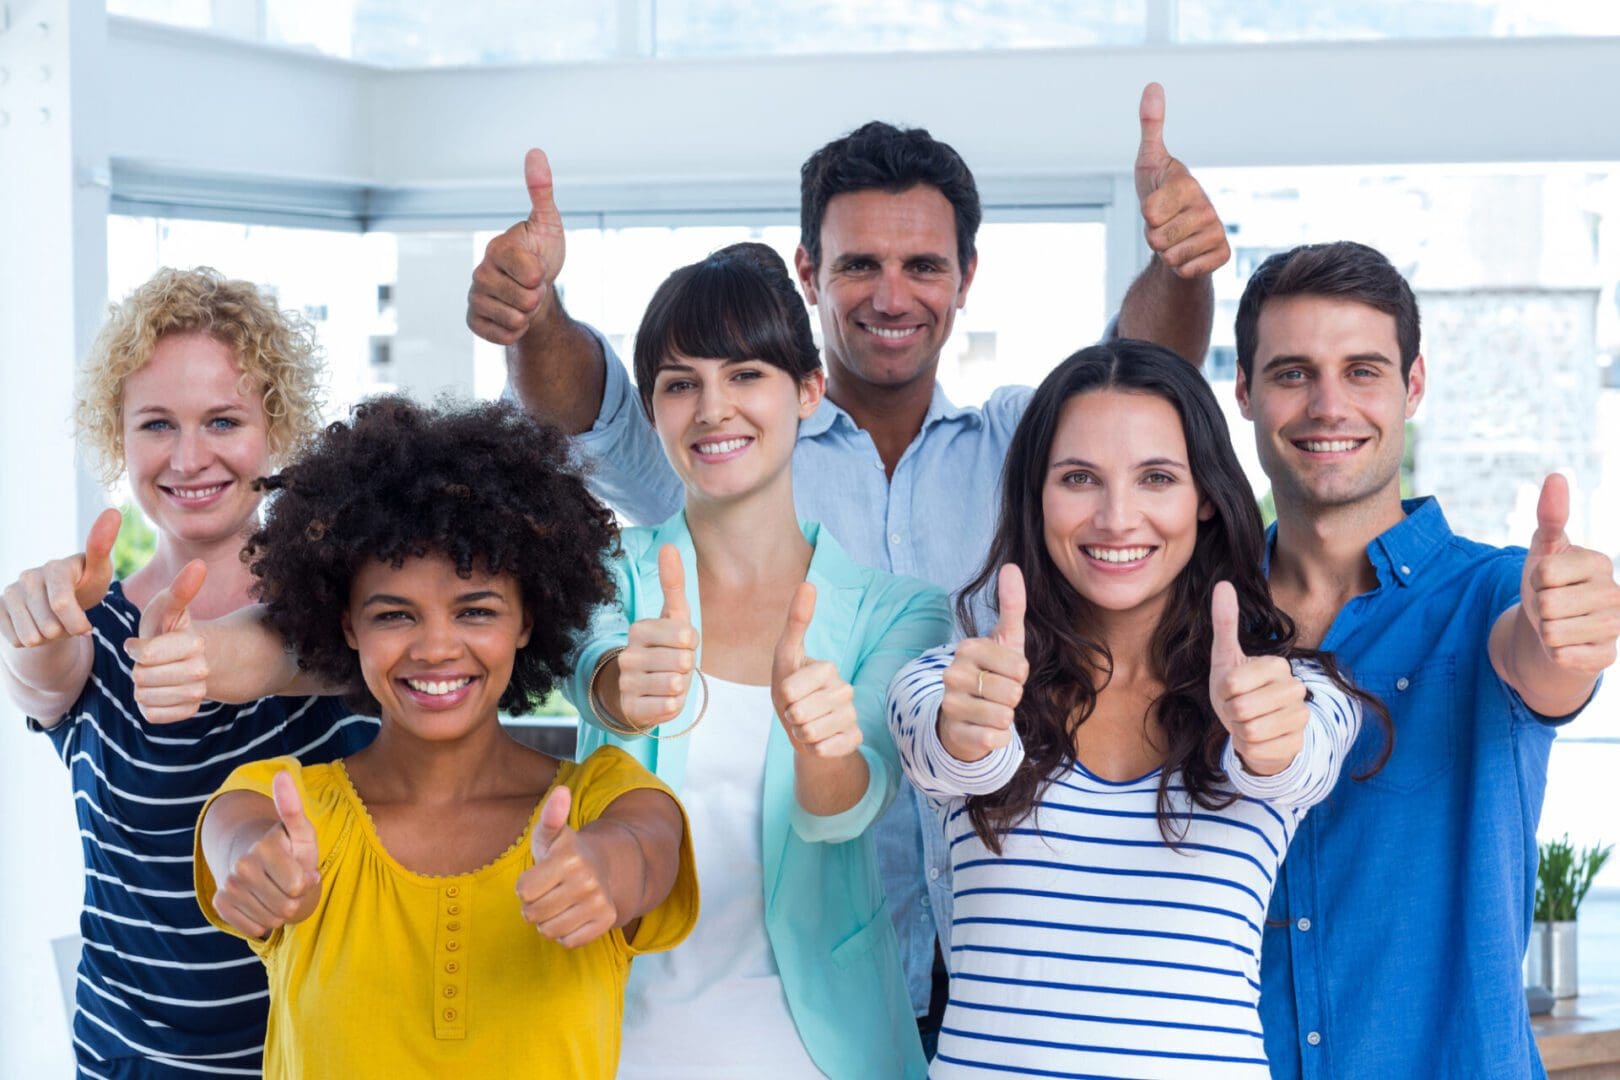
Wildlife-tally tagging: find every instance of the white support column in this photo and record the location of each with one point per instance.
(53, 280)
(1127, 250)
(433, 349)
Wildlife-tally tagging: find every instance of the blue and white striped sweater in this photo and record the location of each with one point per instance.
(160, 992)
(1089, 947)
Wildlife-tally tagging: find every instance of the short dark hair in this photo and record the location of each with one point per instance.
(1343, 269)
(740, 303)
(1069, 664)
(882, 157)
(484, 485)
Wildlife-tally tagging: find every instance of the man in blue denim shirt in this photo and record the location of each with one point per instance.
(905, 480)
(1400, 917)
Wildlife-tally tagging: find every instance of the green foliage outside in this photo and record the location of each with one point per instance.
(1564, 875)
(135, 544)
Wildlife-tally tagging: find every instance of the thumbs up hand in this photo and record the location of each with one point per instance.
(277, 881)
(1568, 593)
(1258, 699)
(564, 894)
(985, 681)
(816, 705)
(1182, 227)
(512, 287)
(655, 669)
(171, 664)
(48, 602)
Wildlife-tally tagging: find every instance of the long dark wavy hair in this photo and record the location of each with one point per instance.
(1069, 664)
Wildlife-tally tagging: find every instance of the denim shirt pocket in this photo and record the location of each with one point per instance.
(1422, 706)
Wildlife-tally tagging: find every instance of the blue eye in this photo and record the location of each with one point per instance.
(156, 425)
(224, 423)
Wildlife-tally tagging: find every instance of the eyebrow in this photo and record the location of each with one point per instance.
(1149, 463)
(1353, 358)
(854, 256)
(390, 600)
(676, 365)
(215, 410)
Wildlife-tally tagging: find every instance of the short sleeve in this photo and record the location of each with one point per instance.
(596, 782)
(256, 777)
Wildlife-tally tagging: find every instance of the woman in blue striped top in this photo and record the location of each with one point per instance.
(1121, 762)
(195, 387)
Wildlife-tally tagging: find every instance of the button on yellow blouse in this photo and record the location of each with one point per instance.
(400, 974)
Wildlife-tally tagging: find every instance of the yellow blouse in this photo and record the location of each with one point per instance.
(399, 974)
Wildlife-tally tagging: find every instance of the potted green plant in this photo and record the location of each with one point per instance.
(1563, 876)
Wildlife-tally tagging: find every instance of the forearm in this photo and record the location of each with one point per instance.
(45, 681)
(247, 660)
(639, 844)
(1547, 688)
(555, 370)
(828, 786)
(1170, 310)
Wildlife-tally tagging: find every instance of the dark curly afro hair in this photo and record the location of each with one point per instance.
(484, 485)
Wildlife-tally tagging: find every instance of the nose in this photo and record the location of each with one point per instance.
(1117, 511)
(1328, 401)
(435, 640)
(893, 293)
(715, 405)
(189, 453)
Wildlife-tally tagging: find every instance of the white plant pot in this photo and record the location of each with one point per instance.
(1535, 957)
(1558, 960)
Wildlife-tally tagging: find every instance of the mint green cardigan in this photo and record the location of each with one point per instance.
(825, 912)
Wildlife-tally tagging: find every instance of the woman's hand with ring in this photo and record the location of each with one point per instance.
(985, 681)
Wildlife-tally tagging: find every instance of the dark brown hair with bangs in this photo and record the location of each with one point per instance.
(738, 304)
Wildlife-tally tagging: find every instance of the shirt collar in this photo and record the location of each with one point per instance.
(1400, 552)
(828, 415)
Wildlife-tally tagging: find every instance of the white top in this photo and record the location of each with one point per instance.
(713, 1007)
(1089, 947)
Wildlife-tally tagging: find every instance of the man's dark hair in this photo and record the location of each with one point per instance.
(484, 485)
(882, 157)
(740, 303)
(1343, 269)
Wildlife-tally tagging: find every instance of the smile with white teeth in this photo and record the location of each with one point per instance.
(1328, 446)
(723, 446)
(892, 333)
(1118, 555)
(437, 688)
(195, 493)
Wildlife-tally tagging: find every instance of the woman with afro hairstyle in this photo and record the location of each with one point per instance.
(1122, 760)
(421, 904)
(195, 387)
(746, 662)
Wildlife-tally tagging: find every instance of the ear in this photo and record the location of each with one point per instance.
(811, 391)
(348, 630)
(1240, 389)
(528, 628)
(1416, 379)
(968, 271)
(1206, 510)
(807, 274)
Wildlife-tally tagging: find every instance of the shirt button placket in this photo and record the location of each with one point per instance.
(450, 969)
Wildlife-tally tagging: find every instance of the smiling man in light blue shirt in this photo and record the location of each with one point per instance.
(905, 480)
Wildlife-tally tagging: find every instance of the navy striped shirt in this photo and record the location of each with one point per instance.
(1089, 947)
(160, 992)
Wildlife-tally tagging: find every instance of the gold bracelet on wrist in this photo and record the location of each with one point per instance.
(625, 728)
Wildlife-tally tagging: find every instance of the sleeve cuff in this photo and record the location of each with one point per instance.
(848, 824)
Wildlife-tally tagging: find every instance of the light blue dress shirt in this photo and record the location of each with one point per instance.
(931, 521)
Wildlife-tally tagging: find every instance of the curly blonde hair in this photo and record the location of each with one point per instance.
(276, 350)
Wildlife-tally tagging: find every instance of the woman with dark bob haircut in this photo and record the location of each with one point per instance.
(435, 565)
(1123, 759)
(780, 752)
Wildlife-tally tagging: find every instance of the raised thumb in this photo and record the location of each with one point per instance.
(553, 820)
(1226, 652)
(1552, 517)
